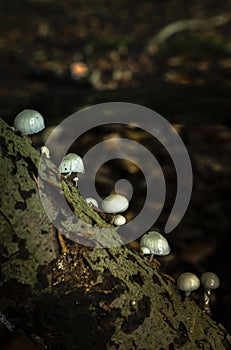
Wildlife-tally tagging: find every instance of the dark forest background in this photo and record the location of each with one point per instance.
(172, 56)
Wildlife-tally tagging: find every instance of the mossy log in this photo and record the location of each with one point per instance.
(83, 298)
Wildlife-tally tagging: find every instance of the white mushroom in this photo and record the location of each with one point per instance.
(92, 202)
(119, 220)
(210, 281)
(154, 243)
(45, 152)
(115, 203)
(29, 122)
(71, 163)
(188, 282)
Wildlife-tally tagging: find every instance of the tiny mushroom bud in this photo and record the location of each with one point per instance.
(115, 203)
(75, 179)
(188, 282)
(92, 202)
(29, 122)
(45, 152)
(210, 281)
(119, 220)
(71, 163)
(154, 243)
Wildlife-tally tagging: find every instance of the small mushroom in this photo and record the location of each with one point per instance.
(119, 220)
(188, 282)
(154, 243)
(92, 202)
(45, 152)
(29, 122)
(210, 281)
(71, 163)
(115, 203)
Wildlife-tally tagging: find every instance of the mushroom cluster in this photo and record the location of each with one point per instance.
(30, 122)
(114, 204)
(152, 243)
(189, 282)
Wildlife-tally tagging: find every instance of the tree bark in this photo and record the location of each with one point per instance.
(83, 298)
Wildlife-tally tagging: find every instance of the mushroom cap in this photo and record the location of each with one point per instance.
(210, 280)
(71, 163)
(115, 203)
(119, 220)
(188, 282)
(29, 122)
(93, 201)
(154, 243)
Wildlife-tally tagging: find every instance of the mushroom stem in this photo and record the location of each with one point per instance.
(209, 281)
(75, 180)
(111, 219)
(66, 176)
(207, 295)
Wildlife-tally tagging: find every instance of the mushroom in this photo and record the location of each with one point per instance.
(115, 203)
(92, 202)
(155, 244)
(45, 152)
(71, 163)
(188, 282)
(119, 220)
(210, 281)
(29, 122)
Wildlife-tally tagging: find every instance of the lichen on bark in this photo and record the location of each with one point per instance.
(23, 247)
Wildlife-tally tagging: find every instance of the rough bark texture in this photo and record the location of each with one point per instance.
(88, 298)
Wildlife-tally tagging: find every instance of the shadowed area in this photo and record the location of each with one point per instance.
(59, 56)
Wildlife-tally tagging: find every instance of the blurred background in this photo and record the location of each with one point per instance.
(174, 57)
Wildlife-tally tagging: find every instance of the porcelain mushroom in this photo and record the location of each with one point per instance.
(154, 243)
(115, 203)
(210, 281)
(71, 163)
(29, 122)
(92, 202)
(188, 282)
(119, 220)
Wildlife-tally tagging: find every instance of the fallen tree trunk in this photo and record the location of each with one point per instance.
(82, 297)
